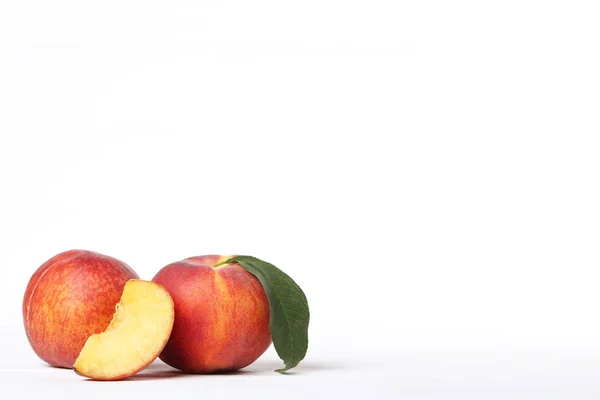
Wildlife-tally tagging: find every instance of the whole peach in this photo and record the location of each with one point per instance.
(70, 297)
(221, 315)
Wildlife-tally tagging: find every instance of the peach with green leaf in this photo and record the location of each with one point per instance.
(227, 309)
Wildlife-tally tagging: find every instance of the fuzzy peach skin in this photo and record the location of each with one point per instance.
(70, 297)
(221, 315)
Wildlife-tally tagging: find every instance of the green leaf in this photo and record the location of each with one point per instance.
(289, 309)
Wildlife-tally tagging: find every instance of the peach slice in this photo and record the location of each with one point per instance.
(139, 330)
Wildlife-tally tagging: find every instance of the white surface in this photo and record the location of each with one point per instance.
(342, 370)
(427, 172)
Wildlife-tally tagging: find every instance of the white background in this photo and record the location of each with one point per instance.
(427, 171)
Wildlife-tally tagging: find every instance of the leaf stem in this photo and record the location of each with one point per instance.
(222, 263)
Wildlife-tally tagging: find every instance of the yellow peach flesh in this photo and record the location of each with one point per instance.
(139, 330)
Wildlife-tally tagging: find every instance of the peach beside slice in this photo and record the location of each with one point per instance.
(139, 330)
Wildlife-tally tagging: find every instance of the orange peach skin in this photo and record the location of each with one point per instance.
(70, 297)
(221, 316)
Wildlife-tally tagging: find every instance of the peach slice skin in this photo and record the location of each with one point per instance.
(138, 332)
